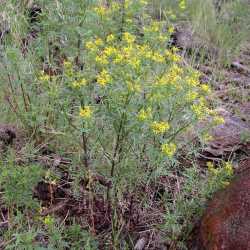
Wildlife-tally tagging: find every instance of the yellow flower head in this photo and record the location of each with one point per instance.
(134, 62)
(103, 78)
(144, 114)
(228, 168)
(44, 77)
(193, 82)
(48, 220)
(168, 149)
(110, 38)
(171, 29)
(129, 38)
(159, 127)
(100, 10)
(157, 57)
(109, 51)
(207, 137)
(67, 64)
(91, 46)
(182, 4)
(191, 95)
(79, 83)
(205, 88)
(98, 42)
(115, 6)
(86, 112)
(155, 26)
(200, 109)
(211, 169)
(218, 120)
(102, 59)
(119, 58)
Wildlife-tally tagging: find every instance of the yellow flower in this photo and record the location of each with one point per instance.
(200, 109)
(175, 49)
(79, 83)
(176, 70)
(134, 62)
(119, 58)
(218, 120)
(182, 4)
(100, 10)
(67, 64)
(207, 137)
(91, 46)
(103, 78)
(159, 127)
(162, 38)
(110, 38)
(173, 57)
(127, 51)
(171, 29)
(155, 27)
(109, 51)
(98, 42)
(211, 169)
(44, 77)
(86, 112)
(168, 149)
(102, 59)
(48, 220)
(144, 114)
(191, 96)
(115, 6)
(192, 81)
(206, 88)
(129, 38)
(157, 57)
(228, 168)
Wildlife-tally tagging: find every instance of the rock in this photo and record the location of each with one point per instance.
(225, 224)
(7, 136)
(228, 137)
(191, 41)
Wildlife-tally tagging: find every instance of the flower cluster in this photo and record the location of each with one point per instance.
(159, 127)
(169, 149)
(226, 169)
(86, 112)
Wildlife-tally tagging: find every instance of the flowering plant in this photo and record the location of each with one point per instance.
(132, 94)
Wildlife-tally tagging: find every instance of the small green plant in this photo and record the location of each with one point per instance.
(18, 182)
(77, 237)
(189, 203)
(23, 241)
